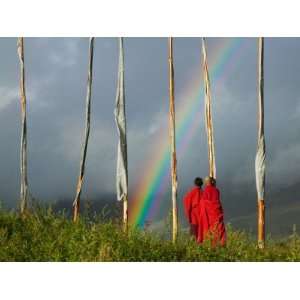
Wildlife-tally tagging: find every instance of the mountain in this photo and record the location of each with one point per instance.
(282, 213)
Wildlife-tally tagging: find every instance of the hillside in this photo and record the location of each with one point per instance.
(45, 236)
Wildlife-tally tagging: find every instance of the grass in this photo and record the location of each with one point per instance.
(47, 236)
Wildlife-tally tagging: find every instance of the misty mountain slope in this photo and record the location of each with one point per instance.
(280, 220)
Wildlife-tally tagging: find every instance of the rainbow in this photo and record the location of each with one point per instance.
(147, 196)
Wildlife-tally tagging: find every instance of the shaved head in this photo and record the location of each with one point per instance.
(209, 180)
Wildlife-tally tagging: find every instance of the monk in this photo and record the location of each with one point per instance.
(191, 202)
(211, 216)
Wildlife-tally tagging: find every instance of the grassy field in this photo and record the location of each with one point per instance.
(46, 236)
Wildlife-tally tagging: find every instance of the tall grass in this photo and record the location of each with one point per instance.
(46, 236)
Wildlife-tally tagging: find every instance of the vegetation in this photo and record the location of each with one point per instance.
(47, 236)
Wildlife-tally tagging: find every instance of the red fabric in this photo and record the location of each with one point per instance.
(211, 218)
(191, 202)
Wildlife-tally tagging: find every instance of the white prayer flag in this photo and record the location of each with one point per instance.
(260, 160)
(120, 117)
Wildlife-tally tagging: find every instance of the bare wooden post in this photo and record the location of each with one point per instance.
(173, 143)
(261, 224)
(261, 149)
(76, 203)
(23, 151)
(125, 214)
(208, 115)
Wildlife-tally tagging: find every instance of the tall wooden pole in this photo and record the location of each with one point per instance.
(76, 203)
(173, 143)
(23, 151)
(261, 149)
(125, 214)
(208, 115)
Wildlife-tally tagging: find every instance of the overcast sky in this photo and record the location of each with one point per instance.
(56, 75)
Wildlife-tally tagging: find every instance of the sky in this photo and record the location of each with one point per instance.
(56, 77)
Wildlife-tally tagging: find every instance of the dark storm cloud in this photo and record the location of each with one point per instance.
(56, 75)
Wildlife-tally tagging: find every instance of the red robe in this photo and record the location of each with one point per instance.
(211, 217)
(191, 202)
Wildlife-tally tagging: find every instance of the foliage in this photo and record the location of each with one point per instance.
(47, 236)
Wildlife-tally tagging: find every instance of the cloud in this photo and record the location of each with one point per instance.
(56, 74)
(61, 54)
(7, 96)
(296, 111)
(283, 169)
(157, 123)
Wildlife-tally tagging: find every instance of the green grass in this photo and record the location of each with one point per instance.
(45, 236)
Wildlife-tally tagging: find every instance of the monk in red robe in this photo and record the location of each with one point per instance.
(191, 202)
(210, 215)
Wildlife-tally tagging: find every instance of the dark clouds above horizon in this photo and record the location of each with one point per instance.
(56, 74)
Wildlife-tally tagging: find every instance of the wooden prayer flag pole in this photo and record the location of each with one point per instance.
(23, 150)
(208, 115)
(76, 203)
(125, 213)
(172, 143)
(261, 149)
(120, 117)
